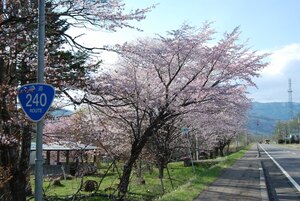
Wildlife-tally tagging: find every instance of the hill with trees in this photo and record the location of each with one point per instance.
(264, 116)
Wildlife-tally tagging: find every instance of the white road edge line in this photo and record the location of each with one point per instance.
(296, 185)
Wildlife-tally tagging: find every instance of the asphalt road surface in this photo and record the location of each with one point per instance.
(239, 182)
(265, 172)
(283, 171)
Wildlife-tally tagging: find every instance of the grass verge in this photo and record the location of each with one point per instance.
(186, 184)
(201, 179)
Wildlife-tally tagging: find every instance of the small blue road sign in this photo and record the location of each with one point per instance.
(185, 130)
(36, 99)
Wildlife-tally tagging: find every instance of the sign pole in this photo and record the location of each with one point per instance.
(185, 131)
(188, 139)
(40, 79)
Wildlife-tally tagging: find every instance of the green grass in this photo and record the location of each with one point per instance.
(70, 187)
(186, 184)
(197, 183)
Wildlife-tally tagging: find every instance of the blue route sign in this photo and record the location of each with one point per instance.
(36, 99)
(185, 130)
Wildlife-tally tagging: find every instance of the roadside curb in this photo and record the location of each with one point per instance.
(270, 188)
(263, 186)
(262, 179)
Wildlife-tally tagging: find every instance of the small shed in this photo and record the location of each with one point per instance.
(60, 156)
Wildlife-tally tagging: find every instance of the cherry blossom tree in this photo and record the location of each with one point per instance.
(165, 77)
(214, 129)
(87, 128)
(65, 68)
(71, 128)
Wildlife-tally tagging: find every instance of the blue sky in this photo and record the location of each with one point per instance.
(265, 22)
(270, 25)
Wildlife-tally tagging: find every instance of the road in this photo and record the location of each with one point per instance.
(265, 172)
(282, 168)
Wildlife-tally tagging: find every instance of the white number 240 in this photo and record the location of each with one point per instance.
(37, 100)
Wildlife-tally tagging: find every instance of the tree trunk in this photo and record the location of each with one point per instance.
(17, 187)
(161, 175)
(9, 160)
(221, 149)
(139, 175)
(124, 181)
(8, 155)
(19, 183)
(211, 154)
(228, 144)
(216, 152)
(136, 149)
(161, 171)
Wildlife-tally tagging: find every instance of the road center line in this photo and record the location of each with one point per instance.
(296, 185)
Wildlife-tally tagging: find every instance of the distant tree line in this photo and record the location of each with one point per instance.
(288, 132)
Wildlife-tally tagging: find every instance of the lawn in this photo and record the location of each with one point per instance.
(187, 185)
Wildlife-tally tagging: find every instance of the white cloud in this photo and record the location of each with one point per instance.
(281, 58)
(273, 83)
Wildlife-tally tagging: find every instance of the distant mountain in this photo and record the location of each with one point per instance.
(264, 116)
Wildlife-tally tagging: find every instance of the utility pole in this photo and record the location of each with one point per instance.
(290, 92)
(257, 124)
(298, 135)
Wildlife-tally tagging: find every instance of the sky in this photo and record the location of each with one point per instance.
(271, 26)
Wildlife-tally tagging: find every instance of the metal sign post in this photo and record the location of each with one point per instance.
(39, 128)
(185, 131)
